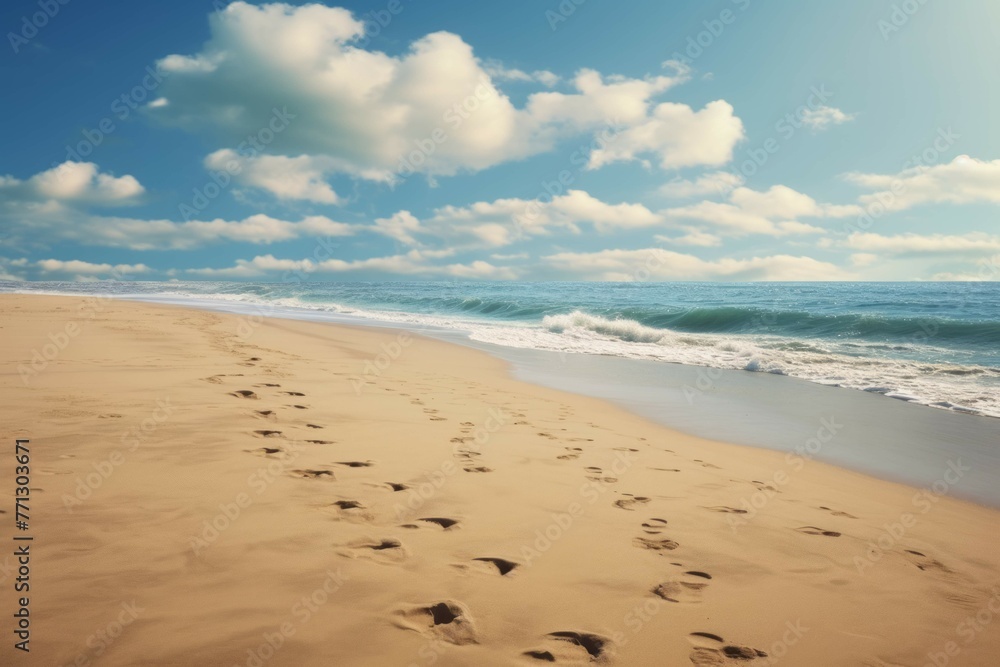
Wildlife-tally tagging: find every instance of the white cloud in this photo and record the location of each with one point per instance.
(504, 220)
(714, 183)
(823, 117)
(677, 136)
(295, 178)
(412, 263)
(81, 268)
(964, 180)
(975, 242)
(659, 264)
(138, 234)
(772, 212)
(501, 73)
(436, 102)
(400, 226)
(72, 182)
(693, 237)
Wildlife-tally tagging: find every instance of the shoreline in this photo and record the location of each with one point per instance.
(776, 412)
(517, 482)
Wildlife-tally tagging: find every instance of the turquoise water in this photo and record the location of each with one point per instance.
(932, 343)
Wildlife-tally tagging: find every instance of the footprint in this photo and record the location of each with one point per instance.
(448, 621)
(446, 524)
(356, 464)
(264, 413)
(351, 510)
(313, 474)
(573, 454)
(243, 393)
(504, 567)
(266, 451)
(478, 469)
(629, 503)
(726, 510)
(572, 647)
(924, 562)
(396, 486)
(655, 545)
(320, 442)
(385, 550)
(813, 530)
(313, 426)
(711, 650)
(706, 465)
(300, 407)
(293, 393)
(268, 434)
(685, 589)
(654, 526)
(838, 513)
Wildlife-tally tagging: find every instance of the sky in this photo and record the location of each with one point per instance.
(716, 140)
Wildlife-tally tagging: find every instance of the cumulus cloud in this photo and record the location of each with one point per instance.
(976, 242)
(714, 183)
(773, 212)
(823, 117)
(693, 237)
(72, 182)
(139, 234)
(80, 268)
(413, 263)
(436, 103)
(676, 135)
(660, 264)
(291, 178)
(964, 180)
(503, 221)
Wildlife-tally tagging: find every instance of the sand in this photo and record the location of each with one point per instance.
(210, 489)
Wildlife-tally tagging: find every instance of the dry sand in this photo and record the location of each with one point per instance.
(436, 512)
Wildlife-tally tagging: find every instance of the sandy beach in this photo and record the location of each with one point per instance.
(209, 489)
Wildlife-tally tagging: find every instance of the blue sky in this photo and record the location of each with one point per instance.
(401, 139)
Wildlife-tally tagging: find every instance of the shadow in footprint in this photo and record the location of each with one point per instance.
(504, 567)
(448, 621)
(313, 474)
(686, 589)
(446, 524)
(243, 393)
(711, 650)
(813, 530)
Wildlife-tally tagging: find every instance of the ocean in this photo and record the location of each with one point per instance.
(935, 344)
